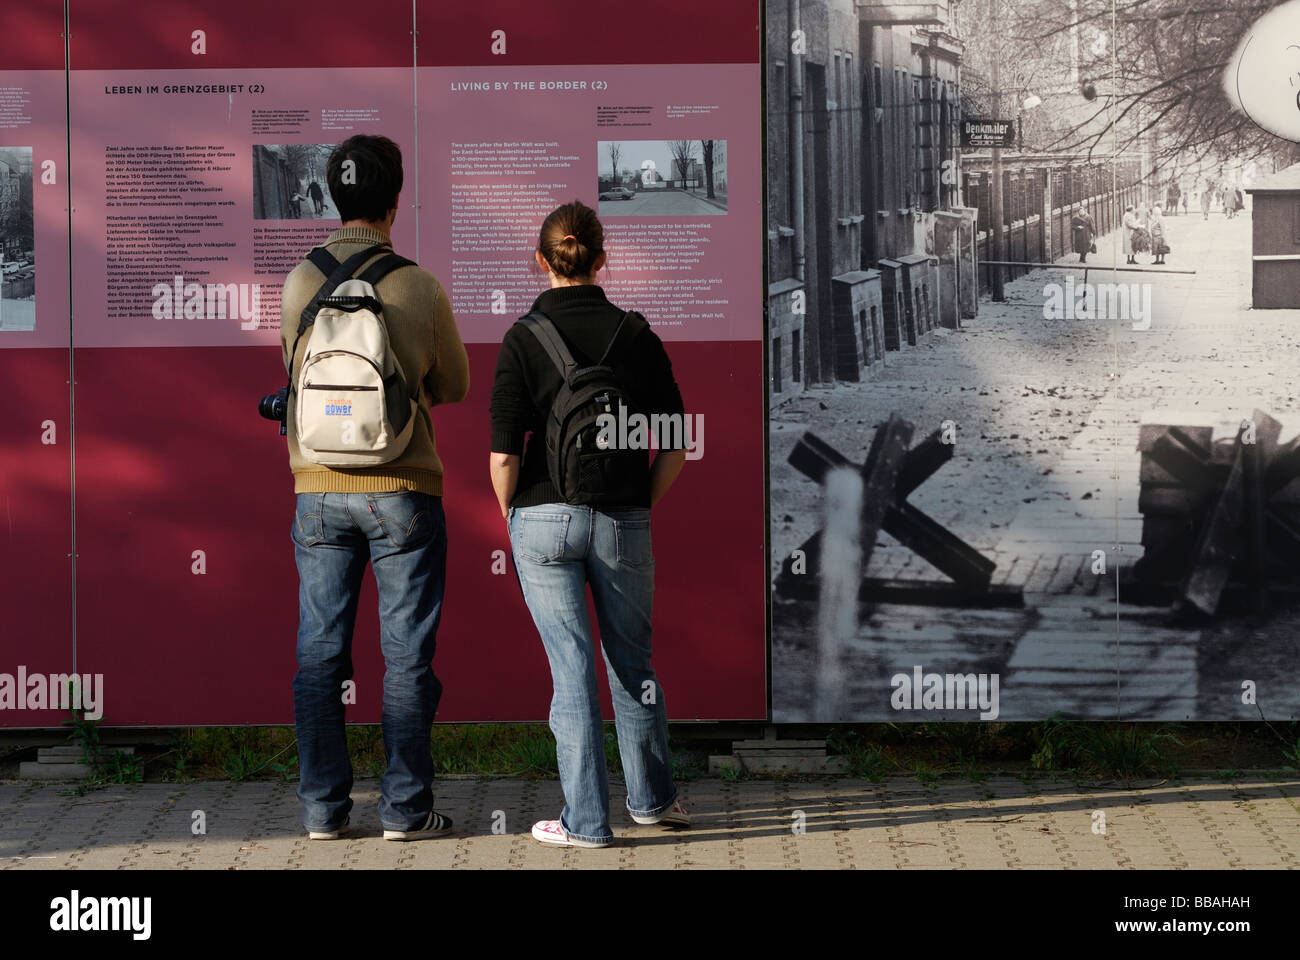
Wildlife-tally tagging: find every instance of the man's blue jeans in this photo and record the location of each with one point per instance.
(404, 536)
(559, 549)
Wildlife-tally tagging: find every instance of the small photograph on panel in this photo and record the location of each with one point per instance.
(17, 241)
(661, 178)
(1034, 436)
(289, 182)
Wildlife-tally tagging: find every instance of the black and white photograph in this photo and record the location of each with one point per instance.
(17, 241)
(661, 178)
(1033, 291)
(289, 182)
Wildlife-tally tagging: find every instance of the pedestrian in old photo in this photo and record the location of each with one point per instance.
(1172, 194)
(1156, 227)
(1207, 195)
(1134, 234)
(1082, 233)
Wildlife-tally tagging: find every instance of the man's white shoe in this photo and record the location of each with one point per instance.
(674, 816)
(329, 834)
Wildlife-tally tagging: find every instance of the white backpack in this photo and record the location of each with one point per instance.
(350, 402)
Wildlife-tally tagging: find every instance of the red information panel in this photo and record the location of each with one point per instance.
(194, 142)
(36, 632)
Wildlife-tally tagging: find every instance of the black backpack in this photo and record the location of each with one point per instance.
(584, 470)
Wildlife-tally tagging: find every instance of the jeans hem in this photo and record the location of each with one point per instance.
(653, 811)
(602, 841)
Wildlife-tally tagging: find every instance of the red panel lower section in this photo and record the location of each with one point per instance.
(172, 458)
(35, 529)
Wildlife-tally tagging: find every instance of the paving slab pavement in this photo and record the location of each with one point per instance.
(1252, 822)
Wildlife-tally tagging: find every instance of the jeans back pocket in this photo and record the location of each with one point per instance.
(539, 537)
(405, 516)
(632, 536)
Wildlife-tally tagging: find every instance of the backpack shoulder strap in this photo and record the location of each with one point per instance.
(383, 267)
(335, 273)
(339, 273)
(634, 323)
(543, 328)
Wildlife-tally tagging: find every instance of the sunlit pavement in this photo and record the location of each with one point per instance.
(902, 823)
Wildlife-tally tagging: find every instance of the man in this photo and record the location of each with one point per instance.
(317, 197)
(390, 515)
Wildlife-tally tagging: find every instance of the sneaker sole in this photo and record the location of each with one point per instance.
(664, 820)
(342, 829)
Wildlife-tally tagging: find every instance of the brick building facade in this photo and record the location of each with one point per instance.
(864, 226)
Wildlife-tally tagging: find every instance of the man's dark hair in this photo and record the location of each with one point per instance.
(368, 188)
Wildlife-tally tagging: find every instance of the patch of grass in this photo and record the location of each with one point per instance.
(686, 768)
(1292, 755)
(530, 758)
(870, 763)
(926, 774)
(733, 774)
(106, 766)
(1124, 751)
(613, 760)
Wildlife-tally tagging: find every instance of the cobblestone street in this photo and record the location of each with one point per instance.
(1045, 471)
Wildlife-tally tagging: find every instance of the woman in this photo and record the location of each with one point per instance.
(1156, 227)
(1082, 231)
(1133, 233)
(1207, 195)
(560, 547)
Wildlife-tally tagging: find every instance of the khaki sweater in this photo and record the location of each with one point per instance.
(428, 346)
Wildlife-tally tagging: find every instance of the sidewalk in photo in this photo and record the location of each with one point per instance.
(999, 823)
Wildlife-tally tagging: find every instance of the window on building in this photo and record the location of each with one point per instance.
(776, 364)
(796, 360)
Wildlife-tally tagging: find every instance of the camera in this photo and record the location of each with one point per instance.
(275, 406)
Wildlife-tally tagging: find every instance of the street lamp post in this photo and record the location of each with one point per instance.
(995, 194)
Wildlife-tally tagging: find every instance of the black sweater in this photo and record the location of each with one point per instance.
(526, 383)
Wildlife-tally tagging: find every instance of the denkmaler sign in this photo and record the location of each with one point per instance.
(978, 132)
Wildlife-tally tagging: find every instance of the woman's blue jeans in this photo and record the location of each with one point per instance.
(558, 550)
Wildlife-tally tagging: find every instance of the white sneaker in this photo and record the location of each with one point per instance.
(674, 816)
(552, 833)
